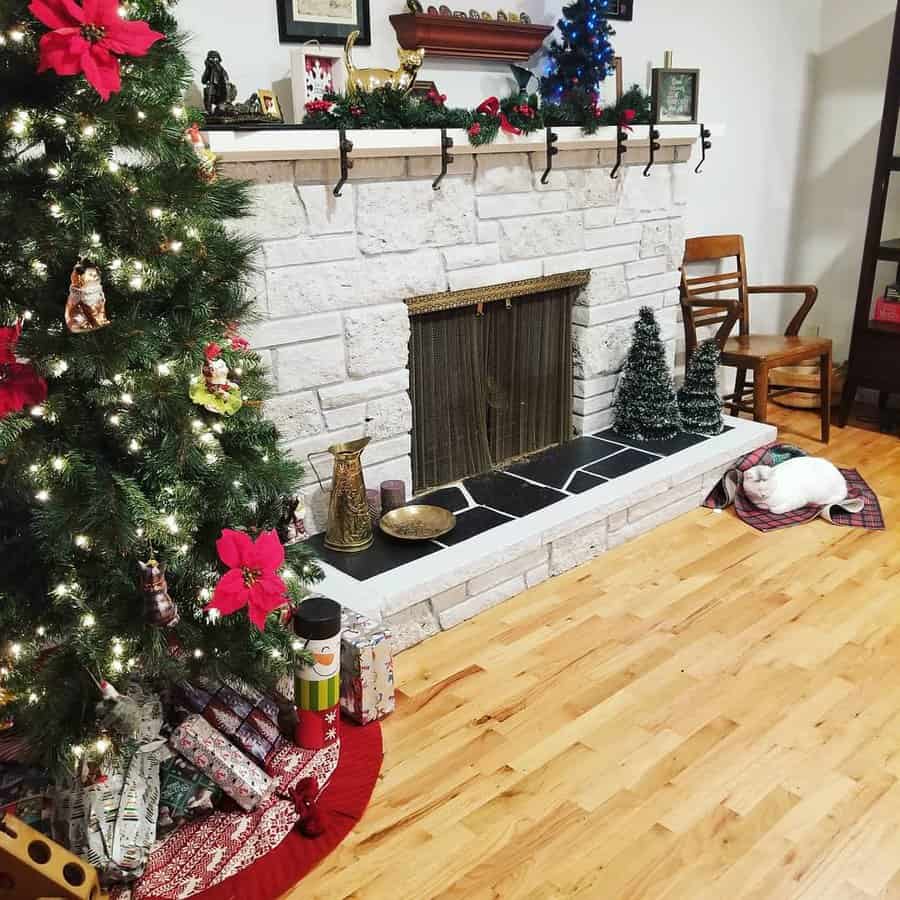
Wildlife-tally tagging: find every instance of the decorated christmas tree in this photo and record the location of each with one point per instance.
(698, 399)
(646, 406)
(582, 56)
(140, 488)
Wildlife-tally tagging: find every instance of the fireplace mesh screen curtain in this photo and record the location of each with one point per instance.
(488, 388)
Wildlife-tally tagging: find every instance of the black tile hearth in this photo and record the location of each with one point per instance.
(681, 441)
(510, 494)
(385, 554)
(553, 467)
(583, 482)
(451, 498)
(622, 463)
(472, 522)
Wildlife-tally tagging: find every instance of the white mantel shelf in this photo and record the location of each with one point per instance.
(270, 144)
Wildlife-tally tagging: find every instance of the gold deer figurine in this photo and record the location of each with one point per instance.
(364, 81)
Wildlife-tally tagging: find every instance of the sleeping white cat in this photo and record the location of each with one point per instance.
(795, 483)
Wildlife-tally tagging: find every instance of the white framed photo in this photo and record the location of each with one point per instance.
(315, 72)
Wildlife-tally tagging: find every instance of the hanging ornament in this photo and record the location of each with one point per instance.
(20, 385)
(213, 391)
(159, 608)
(85, 38)
(86, 306)
(205, 156)
(292, 527)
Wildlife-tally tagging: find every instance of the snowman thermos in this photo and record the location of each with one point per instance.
(317, 686)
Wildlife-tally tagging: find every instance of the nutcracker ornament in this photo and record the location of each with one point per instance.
(317, 685)
(213, 390)
(205, 156)
(86, 306)
(159, 608)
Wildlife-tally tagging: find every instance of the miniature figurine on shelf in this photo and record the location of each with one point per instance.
(292, 526)
(364, 81)
(218, 92)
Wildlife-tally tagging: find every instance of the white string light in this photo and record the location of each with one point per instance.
(89, 131)
(58, 463)
(136, 281)
(42, 496)
(171, 523)
(127, 398)
(164, 369)
(113, 166)
(89, 620)
(175, 246)
(17, 35)
(59, 120)
(115, 419)
(156, 213)
(178, 111)
(193, 233)
(40, 631)
(15, 650)
(134, 445)
(116, 264)
(55, 210)
(95, 238)
(82, 541)
(77, 751)
(102, 745)
(60, 368)
(197, 425)
(34, 468)
(198, 653)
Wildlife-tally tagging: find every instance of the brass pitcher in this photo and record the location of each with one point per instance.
(349, 522)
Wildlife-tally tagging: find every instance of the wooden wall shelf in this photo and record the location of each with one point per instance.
(469, 38)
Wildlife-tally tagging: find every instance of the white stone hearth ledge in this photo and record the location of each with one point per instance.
(291, 144)
(443, 589)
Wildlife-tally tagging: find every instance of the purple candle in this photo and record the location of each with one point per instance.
(393, 495)
(373, 498)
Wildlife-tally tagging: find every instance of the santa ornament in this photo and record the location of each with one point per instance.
(213, 391)
(317, 685)
(205, 157)
(20, 385)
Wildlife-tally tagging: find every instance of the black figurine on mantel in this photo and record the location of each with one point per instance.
(218, 91)
(219, 95)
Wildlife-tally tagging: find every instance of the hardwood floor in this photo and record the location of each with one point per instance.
(706, 712)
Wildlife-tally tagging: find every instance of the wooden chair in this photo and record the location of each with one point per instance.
(756, 353)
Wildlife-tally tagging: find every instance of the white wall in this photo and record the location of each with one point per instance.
(844, 121)
(756, 61)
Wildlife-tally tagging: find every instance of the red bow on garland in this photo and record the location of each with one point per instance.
(491, 107)
(306, 802)
(20, 385)
(86, 37)
(627, 117)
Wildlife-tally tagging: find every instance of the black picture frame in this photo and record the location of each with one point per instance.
(623, 10)
(659, 111)
(294, 31)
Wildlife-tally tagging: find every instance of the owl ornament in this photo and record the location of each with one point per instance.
(212, 390)
(159, 608)
(86, 306)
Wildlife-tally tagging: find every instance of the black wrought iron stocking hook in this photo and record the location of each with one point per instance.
(654, 146)
(705, 144)
(551, 152)
(446, 158)
(344, 148)
(621, 149)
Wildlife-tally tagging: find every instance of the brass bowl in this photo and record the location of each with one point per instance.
(418, 522)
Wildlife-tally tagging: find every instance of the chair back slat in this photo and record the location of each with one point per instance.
(699, 286)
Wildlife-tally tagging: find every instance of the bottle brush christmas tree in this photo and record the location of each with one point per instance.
(646, 406)
(582, 56)
(136, 465)
(698, 399)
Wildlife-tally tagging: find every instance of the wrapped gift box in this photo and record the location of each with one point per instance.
(367, 669)
(214, 755)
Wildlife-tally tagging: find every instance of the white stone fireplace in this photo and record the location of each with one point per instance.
(335, 271)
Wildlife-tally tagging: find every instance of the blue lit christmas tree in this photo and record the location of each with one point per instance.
(582, 56)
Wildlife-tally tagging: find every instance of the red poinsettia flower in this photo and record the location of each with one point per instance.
(240, 343)
(87, 39)
(251, 579)
(315, 106)
(212, 351)
(20, 385)
(474, 129)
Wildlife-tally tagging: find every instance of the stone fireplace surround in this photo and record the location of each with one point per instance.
(334, 272)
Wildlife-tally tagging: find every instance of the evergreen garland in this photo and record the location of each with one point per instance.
(387, 107)
(646, 407)
(119, 465)
(698, 399)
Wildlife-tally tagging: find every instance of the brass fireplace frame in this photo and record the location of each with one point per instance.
(430, 303)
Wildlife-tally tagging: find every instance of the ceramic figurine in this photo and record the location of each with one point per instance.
(474, 14)
(444, 10)
(432, 11)
(524, 18)
(218, 91)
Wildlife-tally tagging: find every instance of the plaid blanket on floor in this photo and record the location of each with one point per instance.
(861, 509)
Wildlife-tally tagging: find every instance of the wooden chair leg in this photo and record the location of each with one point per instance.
(740, 381)
(760, 393)
(825, 386)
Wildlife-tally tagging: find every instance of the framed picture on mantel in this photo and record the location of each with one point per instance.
(326, 21)
(675, 95)
(620, 9)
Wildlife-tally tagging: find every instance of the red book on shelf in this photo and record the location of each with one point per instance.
(887, 310)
